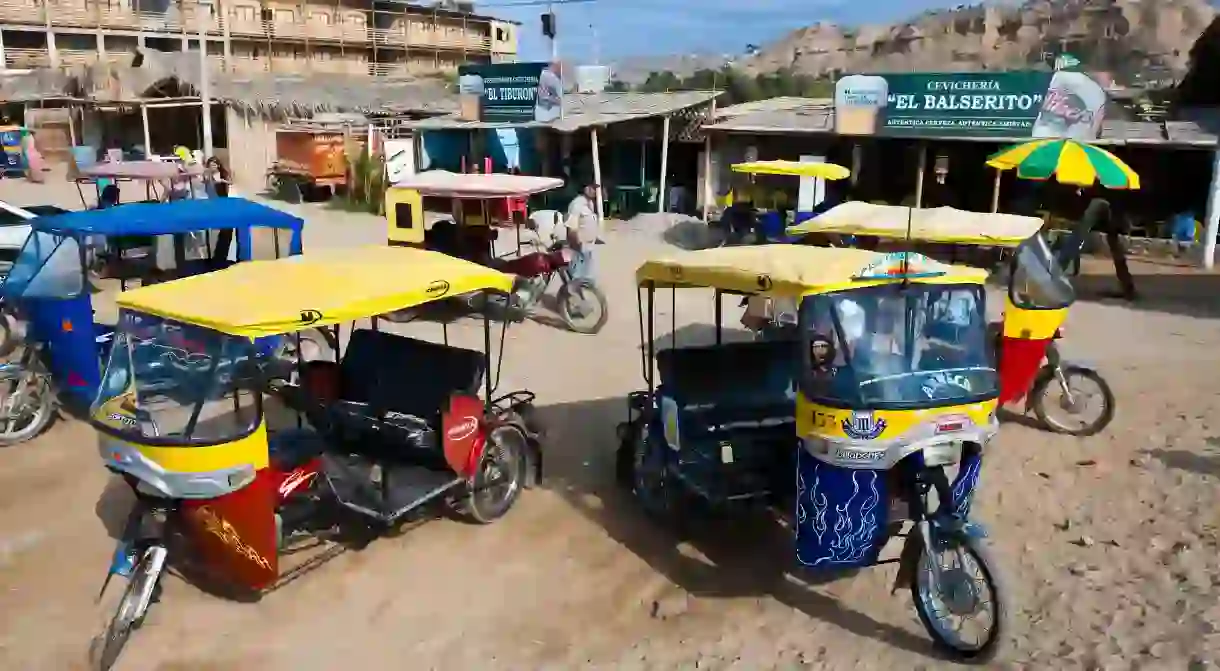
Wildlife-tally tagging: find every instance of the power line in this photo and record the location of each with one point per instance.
(533, 3)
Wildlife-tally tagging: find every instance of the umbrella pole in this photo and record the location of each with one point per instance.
(923, 166)
(995, 192)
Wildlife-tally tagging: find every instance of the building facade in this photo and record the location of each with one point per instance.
(356, 37)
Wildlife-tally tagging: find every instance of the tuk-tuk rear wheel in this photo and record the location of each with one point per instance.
(499, 477)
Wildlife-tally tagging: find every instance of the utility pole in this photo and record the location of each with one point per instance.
(205, 86)
(550, 9)
(597, 46)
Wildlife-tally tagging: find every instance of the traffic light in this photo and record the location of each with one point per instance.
(548, 25)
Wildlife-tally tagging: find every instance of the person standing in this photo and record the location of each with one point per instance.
(583, 228)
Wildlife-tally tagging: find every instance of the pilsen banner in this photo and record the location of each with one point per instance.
(971, 105)
(510, 92)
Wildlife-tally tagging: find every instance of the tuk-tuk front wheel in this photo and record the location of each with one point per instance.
(965, 596)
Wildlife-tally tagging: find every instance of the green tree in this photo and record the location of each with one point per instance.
(618, 86)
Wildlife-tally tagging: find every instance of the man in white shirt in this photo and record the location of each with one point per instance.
(583, 228)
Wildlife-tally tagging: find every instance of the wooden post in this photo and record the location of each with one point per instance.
(857, 163)
(597, 174)
(707, 174)
(147, 135)
(664, 163)
(923, 166)
(71, 124)
(995, 191)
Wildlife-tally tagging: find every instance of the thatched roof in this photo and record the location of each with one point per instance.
(158, 73)
(21, 86)
(583, 110)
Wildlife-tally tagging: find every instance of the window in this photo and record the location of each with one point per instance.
(285, 16)
(49, 266)
(898, 346)
(178, 382)
(322, 18)
(501, 35)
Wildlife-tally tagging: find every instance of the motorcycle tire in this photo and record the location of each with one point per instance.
(574, 322)
(124, 622)
(1092, 428)
(506, 447)
(41, 415)
(986, 651)
(8, 342)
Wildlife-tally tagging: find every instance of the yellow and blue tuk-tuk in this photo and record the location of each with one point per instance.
(1067, 397)
(849, 430)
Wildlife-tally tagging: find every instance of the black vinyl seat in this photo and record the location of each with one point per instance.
(392, 389)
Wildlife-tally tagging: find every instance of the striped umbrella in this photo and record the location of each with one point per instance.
(1068, 162)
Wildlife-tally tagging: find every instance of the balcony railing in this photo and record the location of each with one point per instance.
(388, 36)
(72, 13)
(69, 57)
(27, 58)
(388, 69)
(21, 11)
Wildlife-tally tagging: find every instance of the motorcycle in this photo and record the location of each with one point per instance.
(581, 305)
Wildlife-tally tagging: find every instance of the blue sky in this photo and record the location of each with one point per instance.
(663, 27)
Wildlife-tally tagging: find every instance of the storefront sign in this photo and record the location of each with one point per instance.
(510, 92)
(970, 105)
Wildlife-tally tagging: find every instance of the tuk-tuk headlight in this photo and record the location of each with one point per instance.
(942, 454)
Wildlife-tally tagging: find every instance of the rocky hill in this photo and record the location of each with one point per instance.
(1132, 39)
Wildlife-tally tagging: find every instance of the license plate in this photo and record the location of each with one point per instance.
(867, 456)
(124, 559)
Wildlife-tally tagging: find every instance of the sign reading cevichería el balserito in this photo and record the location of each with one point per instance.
(971, 105)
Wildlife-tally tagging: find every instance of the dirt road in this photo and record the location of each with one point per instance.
(1110, 542)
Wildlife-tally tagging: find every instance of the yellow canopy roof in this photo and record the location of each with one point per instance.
(795, 270)
(260, 298)
(939, 224)
(830, 171)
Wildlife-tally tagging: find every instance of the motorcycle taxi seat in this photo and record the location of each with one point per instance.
(741, 395)
(733, 383)
(392, 388)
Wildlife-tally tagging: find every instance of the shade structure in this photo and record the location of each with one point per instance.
(1068, 162)
(829, 171)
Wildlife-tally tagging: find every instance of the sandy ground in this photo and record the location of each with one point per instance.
(1109, 543)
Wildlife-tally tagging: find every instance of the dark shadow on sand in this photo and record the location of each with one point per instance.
(747, 556)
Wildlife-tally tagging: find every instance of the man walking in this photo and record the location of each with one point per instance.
(583, 229)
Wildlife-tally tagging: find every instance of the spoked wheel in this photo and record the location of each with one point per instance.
(1076, 402)
(27, 406)
(650, 480)
(966, 612)
(128, 616)
(582, 306)
(8, 342)
(497, 482)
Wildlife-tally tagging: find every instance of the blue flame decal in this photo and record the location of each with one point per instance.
(846, 527)
(967, 479)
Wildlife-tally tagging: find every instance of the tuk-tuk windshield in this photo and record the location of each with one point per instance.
(173, 383)
(897, 347)
(1038, 280)
(49, 266)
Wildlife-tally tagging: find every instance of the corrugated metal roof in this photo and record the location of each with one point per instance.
(819, 118)
(583, 110)
(771, 105)
(1190, 132)
(808, 118)
(33, 85)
